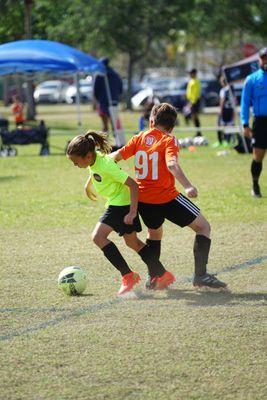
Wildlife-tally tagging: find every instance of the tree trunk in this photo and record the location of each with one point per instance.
(5, 90)
(129, 79)
(19, 89)
(31, 111)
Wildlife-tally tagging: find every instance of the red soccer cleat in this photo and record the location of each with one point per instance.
(164, 281)
(128, 282)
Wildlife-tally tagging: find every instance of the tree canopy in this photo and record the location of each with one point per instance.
(144, 31)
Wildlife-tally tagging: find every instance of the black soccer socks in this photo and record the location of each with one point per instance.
(201, 254)
(155, 268)
(111, 252)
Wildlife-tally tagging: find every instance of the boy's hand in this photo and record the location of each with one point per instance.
(115, 155)
(128, 219)
(191, 191)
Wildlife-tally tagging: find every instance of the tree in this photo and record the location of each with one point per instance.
(132, 26)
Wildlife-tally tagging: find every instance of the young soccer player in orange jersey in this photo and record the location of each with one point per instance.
(156, 168)
(17, 110)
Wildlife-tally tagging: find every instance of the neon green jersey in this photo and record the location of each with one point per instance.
(109, 181)
(193, 90)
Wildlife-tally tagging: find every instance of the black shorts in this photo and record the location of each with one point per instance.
(195, 108)
(114, 216)
(259, 129)
(227, 116)
(181, 211)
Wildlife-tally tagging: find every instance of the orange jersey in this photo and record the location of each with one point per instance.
(17, 109)
(152, 150)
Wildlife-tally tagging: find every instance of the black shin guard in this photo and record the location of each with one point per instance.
(155, 268)
(155, 246)
(201, 254)
(111, 252)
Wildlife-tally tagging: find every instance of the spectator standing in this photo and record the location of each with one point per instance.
(227, 112)
(255, 94)
(101, 95)
(17, 110)
(193, 95)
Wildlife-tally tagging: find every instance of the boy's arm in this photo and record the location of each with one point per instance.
(128, 219)
(126, 151)
(116, 156)
(178, 173)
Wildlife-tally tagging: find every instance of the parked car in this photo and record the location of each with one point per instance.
(51, 92)
(210, 92)
(176, 96)
(85, 88)
(141, 97)
(158, 87)
(157, 83)
(136, 86)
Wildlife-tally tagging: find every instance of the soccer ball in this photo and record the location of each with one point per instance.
(72, 280)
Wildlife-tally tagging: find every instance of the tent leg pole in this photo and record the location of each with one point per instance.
(235, 111)
(78, 101)
(112, 116)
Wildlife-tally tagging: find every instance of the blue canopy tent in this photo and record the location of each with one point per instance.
(33, 56)
(26, 56)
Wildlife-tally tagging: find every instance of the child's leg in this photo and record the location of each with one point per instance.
(153, 240)
(154, 266)
(202, 244)
(201, 253)
(110, 250)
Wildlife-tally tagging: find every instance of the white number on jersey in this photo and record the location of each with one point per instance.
(142, 161)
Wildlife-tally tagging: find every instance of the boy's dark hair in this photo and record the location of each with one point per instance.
(165, 115)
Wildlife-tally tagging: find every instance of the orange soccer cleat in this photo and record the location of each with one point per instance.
(128, 282)
(164, 281)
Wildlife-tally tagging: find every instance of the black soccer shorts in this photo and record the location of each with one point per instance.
(114, 216)
(181, 211)
(259, 129)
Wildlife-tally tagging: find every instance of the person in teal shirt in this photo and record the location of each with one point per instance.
(121, 192)
(255, 94)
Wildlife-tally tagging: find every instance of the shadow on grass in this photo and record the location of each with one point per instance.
(10, 178)
(210, 299)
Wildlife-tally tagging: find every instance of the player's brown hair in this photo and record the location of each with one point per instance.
(81, 145)
(165, 115)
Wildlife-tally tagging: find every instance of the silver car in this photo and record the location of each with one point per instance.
(51, 92)
(85, 88)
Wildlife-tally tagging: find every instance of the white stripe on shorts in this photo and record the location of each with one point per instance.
(187, 204)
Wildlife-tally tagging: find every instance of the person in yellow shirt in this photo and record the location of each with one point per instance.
(193, 95)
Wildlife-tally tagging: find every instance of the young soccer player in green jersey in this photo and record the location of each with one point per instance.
(121, 192)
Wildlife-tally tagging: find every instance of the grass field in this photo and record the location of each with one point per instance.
(177, 344)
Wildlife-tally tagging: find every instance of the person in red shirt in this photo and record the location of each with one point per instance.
(17, 111)
(156, 168)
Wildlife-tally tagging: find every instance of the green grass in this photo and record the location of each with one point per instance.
(172, 345)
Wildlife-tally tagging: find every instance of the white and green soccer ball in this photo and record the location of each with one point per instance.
(72, 281)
